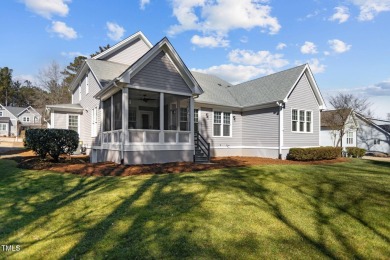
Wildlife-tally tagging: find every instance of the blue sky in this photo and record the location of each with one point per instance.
(345, 42)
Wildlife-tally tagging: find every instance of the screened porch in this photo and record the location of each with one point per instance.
(133, 116)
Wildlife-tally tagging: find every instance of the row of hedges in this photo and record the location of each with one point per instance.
(314, 154)
(51, 141)
(356, 152)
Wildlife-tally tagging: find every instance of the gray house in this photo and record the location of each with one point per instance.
(14, 120)
(138, 103)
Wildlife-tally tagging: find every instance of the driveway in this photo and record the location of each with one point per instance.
(381, 159)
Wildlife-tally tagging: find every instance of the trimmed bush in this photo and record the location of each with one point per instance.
(51, 141)
(314, 154)
(356, 152)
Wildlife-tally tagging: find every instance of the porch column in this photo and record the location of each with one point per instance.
(191, 120)
(161, 137)
(125, 115)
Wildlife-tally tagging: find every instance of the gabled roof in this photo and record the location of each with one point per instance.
(105, 71)
(28, 108)
(163, 45)
(265, 90)
(369, 121)
(123, 43)
(272, 88)
(15, 110)
(65, 107)
(334, 118)
(216, 90)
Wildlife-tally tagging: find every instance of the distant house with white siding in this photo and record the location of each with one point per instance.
(13, 120)
(138, 103)
(359, 131)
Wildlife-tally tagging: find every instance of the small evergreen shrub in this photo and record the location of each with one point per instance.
(314, 154)
(356, 152)
(51, 141)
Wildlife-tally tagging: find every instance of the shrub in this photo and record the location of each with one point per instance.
(52, 141)
(356, 152)
(314, 154)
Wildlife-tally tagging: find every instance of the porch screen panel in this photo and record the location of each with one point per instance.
(118, 110)
(107, 115)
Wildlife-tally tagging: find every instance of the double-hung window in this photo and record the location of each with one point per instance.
(132, 117)
(222, 123)
(183, 119)
(73, 122)
(301, 121)
(1, 113)
(349, 137)
(3, 127)
(26, 119)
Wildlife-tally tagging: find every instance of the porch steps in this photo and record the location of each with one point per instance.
(202, 149)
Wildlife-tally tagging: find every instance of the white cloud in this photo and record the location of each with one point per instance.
(222, 16)
(209, 41)
(309, 48)
(281, 46)
(115, 31)
(339, 46)
(315, 65)
(143, 3)
(234, 73)
(63, 31)
(23, 77)
(244, 39)
(263, 59)
(370, 8)
(379, 89)
(73, 54)
(341, 14)
(48, 8)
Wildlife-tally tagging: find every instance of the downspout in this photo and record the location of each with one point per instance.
(281, 106)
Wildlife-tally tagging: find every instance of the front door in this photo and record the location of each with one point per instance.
(146, 120)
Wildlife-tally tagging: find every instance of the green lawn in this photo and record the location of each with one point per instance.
(284, 211)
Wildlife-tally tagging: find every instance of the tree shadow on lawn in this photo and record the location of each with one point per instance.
(169, 216)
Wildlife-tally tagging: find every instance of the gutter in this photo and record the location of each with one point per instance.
(281, 105)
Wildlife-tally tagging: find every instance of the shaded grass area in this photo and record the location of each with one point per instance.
(279, 211)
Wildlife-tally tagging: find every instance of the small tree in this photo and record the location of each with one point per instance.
(345, 105)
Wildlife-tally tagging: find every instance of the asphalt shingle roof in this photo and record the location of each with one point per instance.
(216, 90)
(259, 91)
(15, 110)
(106, 71)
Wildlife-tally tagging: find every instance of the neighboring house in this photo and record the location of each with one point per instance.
(371, 136)
(139, 103)
(359, 131)
(14, 120)
(332, 121)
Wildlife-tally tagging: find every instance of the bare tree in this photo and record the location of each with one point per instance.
(344, 106)
(51, 79)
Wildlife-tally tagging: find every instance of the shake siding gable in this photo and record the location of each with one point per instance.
(302, 98)
(88, 102)
(260, 127)
(160, 74)
(129, 53)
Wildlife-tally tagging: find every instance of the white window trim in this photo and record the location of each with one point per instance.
(78, 122)
(298, 121)
(231, 123)
(6, 127)
(1, 113)
(350, 137)
(24, 119)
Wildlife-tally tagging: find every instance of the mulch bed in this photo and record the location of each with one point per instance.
(80, 165)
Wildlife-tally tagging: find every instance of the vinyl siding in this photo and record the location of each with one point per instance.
(261, 127)
(130, 53)
(31, 115)
(60, 119)
(11, 128)
(6, 113)
(206, 127)
(160, 74)
(88, 102)
(301, 98)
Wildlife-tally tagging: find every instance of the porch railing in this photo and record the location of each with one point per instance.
(137, 136)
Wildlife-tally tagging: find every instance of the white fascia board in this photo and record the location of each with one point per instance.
(313, 85)
(137, 35)
(78, 76)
